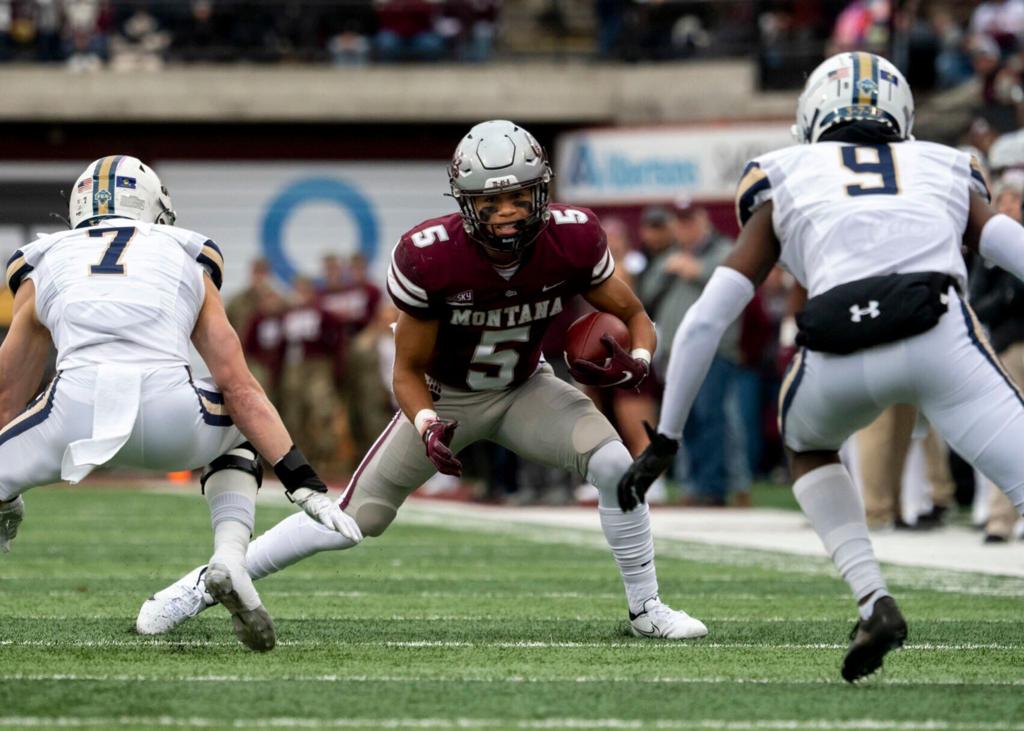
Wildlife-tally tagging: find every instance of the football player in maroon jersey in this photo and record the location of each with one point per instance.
(476, 291)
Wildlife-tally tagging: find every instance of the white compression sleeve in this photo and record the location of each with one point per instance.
(696, 341)
(1002, 243)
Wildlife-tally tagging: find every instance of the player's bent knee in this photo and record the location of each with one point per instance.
(801, 463)
(242, 459)
(373, 518)
(590, 432)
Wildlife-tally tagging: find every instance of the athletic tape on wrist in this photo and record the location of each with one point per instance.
(424, 417)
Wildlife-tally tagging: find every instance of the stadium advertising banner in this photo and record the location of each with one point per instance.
(640, 165)
(290, 213)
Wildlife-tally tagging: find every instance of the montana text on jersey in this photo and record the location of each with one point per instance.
(490, 329)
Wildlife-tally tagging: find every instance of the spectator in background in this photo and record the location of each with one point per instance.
(611, 19)
(406, 31)
(998, 300)
(759, 376)
(262, 341)
(87, 23)
(242, 306)
(862, 26)
(352, 301)
(368, 385)
(351, 29)
(1000, 20)
(308, 394)
(348, 293)
(952, 62)
(629, 409)
(657, 243)
(469, 27)
(716, 461)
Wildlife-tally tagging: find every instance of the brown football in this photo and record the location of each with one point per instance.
(583, 339)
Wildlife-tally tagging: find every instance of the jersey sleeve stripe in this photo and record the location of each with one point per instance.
(751, 192)
(17, 270)
(978, 181)
(398, 292)
(211, 260)
(406, 283)
(603, 270)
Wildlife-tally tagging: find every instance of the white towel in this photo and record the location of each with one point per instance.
(117, 395)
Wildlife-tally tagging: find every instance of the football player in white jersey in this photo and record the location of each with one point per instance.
(871, 223)
(120, 295)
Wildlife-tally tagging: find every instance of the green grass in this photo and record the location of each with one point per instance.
(449, 627)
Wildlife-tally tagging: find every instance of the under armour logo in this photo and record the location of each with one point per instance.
(858, 313)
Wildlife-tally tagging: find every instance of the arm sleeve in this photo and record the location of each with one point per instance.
(696, 342)
(1002, 243)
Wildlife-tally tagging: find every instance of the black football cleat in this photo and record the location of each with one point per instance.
(872, 638)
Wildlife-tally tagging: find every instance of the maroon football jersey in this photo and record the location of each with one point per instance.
(491, 328)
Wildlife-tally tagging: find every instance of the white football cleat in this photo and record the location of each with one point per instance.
(171, 607)
(232, 587)
(661, 621)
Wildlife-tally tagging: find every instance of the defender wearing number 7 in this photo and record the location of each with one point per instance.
(477, 291)
(121, 294)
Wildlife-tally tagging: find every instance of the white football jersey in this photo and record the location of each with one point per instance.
(122, 292)
(844, 211)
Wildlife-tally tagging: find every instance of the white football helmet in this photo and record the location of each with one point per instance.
(119, 186)
(850, 87)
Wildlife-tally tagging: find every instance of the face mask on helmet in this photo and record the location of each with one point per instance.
(499, 157)
(853, 88)
(119, 186)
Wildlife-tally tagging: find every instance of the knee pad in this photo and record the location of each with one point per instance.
(605, 467)
(243, 458)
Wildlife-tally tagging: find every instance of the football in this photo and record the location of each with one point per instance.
(583, 339)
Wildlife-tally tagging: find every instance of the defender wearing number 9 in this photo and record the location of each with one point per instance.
(477, 290)
(872, 223)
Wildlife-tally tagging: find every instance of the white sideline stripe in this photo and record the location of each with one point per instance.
(644, 645)
(860, 724)
(512, 680)
(570, 526)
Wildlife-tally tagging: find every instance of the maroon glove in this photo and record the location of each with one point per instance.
(623, 370)
(437, 436)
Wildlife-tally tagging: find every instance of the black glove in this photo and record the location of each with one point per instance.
(294, 471)
(654, 460)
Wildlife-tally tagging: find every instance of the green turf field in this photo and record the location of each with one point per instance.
(446, 627)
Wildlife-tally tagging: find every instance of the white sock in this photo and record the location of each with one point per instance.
(834, 507)
(291, 540)
(628, 534)
(231, 495)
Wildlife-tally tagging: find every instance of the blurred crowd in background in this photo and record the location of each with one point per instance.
(937, 40)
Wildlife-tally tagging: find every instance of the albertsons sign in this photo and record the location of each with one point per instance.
(638, 165)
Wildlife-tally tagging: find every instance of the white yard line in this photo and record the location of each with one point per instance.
(861, 724)
(483, 680)
(642, 645)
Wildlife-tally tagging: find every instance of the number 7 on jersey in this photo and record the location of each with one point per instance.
(111, 261)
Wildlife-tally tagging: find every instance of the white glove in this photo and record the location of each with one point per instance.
(324, 510)
(11, 515)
